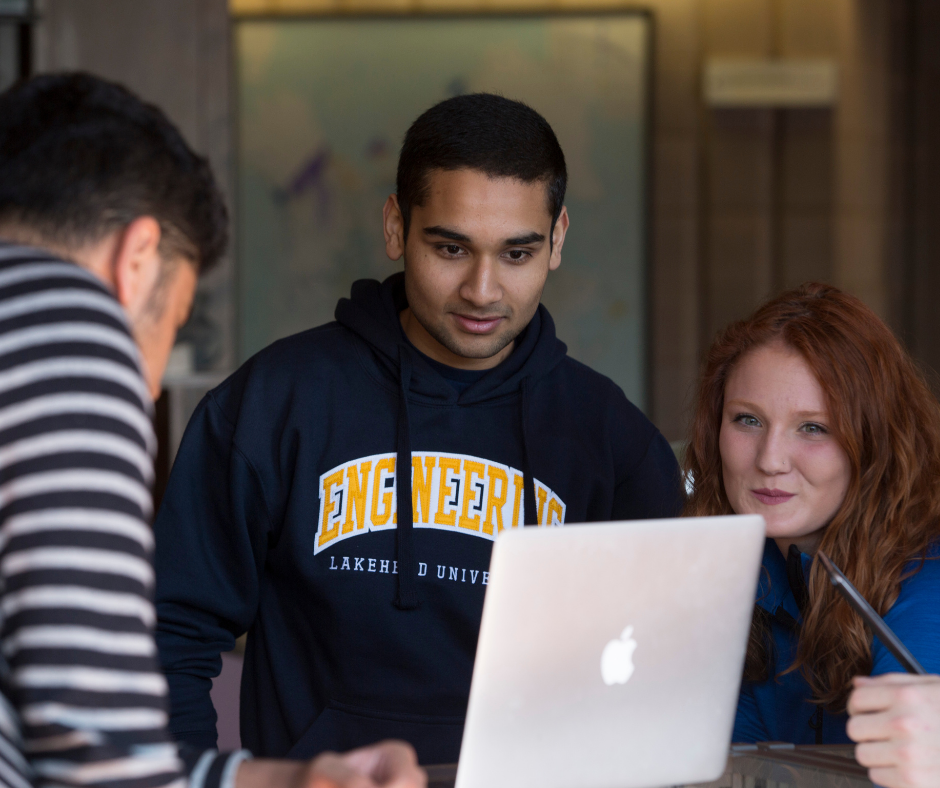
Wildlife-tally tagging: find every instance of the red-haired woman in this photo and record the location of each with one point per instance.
(811, 414)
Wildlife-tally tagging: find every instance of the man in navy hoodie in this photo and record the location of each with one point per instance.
(288, 516)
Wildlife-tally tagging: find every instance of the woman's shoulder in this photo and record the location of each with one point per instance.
(921, 581)
(923, 573)
(915, 616)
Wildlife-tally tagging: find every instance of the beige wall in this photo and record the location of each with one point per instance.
(785, 195)
(748, 202)
(751, 201)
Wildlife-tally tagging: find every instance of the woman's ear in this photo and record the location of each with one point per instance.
(135, 264)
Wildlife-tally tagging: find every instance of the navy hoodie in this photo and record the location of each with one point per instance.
(361, 588)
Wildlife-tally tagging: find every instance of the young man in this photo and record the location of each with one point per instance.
(337, 498)
(106, 219)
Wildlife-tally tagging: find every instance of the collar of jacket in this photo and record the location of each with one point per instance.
(774, 587)
(372, 313)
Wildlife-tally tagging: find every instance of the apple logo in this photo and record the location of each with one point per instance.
(617, 659)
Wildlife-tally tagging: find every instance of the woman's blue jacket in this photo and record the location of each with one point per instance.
(781, 708)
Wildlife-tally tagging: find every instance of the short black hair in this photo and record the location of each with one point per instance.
(81, 156)
(499, 137)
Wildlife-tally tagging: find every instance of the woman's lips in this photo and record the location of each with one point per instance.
(772, 497)
(476, 325)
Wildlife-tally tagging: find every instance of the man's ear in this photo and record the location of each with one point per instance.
(558, 238)
(394, 225)
(135, 264)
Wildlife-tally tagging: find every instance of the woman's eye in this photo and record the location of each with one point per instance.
(747, 420)
(814, 429)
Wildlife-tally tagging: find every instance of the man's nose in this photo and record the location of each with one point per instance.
(481, 286)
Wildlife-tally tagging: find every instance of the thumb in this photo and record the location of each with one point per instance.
(885, 679)
(332, 771)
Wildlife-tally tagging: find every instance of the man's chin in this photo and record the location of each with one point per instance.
(479, 347)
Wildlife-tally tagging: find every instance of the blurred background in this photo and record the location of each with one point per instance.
(719, 151)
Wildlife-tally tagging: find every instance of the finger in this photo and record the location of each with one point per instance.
(400, 767)
(332, 771)
(885, 678)
(389, 763)
(873, 697)
(411, 776)
(869, 727)
(893, 678)
(877, 754)
(385, 756)
(887, 777)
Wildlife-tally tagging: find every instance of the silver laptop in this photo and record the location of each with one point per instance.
(610, 655)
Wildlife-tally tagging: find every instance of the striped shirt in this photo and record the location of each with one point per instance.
(82, 700)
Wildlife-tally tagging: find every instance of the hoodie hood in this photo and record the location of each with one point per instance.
(372, 313)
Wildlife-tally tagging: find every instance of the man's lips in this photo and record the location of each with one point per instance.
(772, 497)
(478, 325)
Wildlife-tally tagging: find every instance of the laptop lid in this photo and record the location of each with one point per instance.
(610, 655)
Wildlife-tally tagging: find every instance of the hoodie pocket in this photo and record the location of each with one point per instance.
(342, 726)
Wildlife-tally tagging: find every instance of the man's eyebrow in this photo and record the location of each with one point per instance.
(522, 240)
(443, 232)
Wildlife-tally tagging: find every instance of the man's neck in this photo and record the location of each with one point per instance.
(92, 257)
(419, 337)
(24, 236)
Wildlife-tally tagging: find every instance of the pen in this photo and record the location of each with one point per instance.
(875, 622)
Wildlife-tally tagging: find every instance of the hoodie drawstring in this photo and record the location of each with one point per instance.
(405, 542)
(407, 598)
(528, 484)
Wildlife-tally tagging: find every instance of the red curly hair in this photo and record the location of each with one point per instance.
(886, 420)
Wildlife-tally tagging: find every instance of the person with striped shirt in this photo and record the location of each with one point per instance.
(106, 220)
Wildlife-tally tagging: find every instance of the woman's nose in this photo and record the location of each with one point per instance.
(773, 456)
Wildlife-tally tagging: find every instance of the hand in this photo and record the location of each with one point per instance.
(389, 764)
(895, 719)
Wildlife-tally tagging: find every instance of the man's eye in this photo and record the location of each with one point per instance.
(452, 249)
(518, 254)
